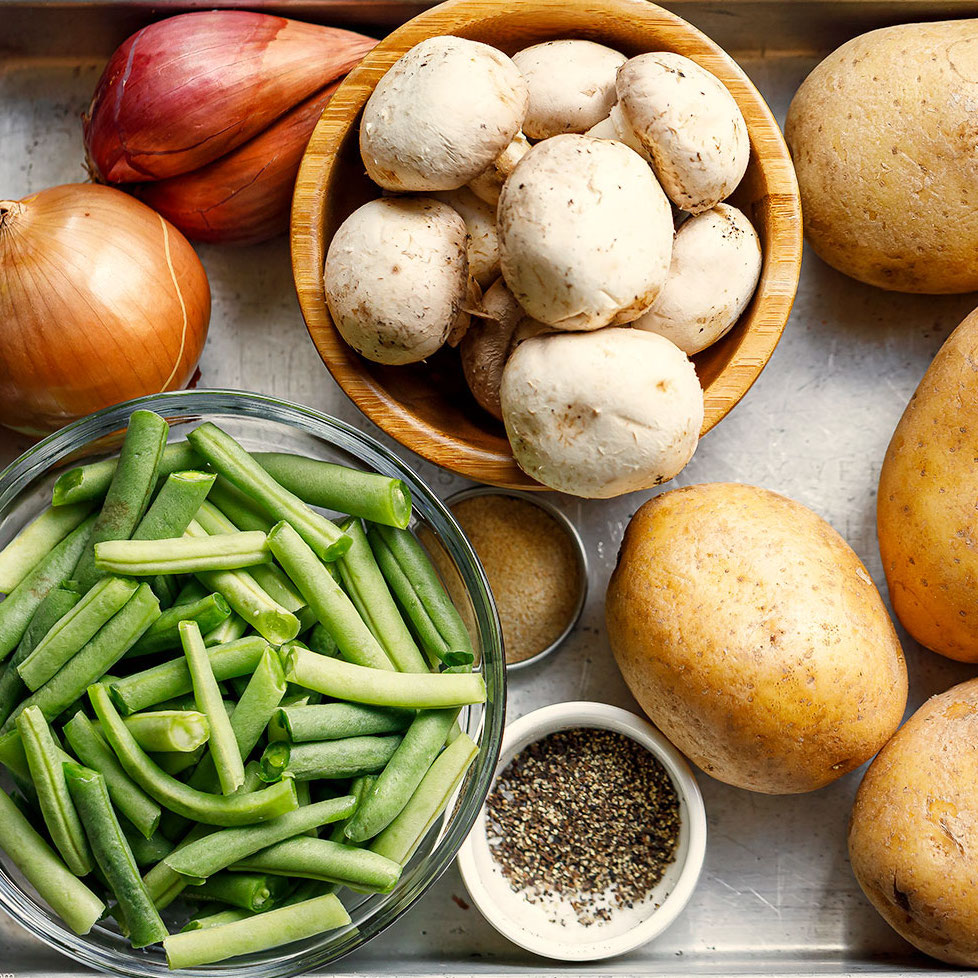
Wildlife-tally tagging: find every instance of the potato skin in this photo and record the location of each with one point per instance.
(884, 134)
(927, 508)
(753, 637)
(913, 832)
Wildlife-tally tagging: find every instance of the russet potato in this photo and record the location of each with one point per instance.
(754, 638)
(913, 834)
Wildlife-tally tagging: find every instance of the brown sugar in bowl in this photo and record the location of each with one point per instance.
(427, 406)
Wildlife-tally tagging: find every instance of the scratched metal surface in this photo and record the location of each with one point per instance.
(776, 895)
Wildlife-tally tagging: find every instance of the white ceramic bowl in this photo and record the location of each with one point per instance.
(530, 926)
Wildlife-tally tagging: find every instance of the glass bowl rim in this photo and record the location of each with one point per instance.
(39, 458)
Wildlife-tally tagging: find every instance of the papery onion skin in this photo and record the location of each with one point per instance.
(244, 197)
(101, 300)
(184, 91)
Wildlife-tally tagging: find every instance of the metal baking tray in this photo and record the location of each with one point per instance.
(777, 895)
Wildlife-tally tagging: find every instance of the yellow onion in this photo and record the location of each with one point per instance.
(101, 299)
(218, 106)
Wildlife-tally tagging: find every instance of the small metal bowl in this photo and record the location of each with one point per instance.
(534, 499)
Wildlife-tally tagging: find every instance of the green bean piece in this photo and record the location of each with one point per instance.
(67, 636)
(321, 859)
(92, 481)
(367, 589)
(199, 806)
(191, 590)
(92, 750)
(348, 758)
(27, 549)
(12, 689)
(319, 640)
(230, 630)
(249, 891)
(413, 691)
(334, 721)
(177, 762)
(182, 555)
(217, 851)
(170, 679)
(169, 730)
(268, 930)
(359, 788)
(17, 609)
(45, 759)
(58, 887)
(403, 836)
(96, 658)
(162, 883)
(403, 773)
(164, 634)
(230, 460)
(240, 509)
(13, 756)
(230, 916)
(334, 610)
(146, 852)
(113, 855)
(223, 746)
(130, 491)
(369, 495)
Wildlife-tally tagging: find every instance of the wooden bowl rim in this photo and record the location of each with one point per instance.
(771, 305)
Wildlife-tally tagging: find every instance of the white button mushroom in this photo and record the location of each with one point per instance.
(571, 83)
(685, 122)
(441, 115)
(396, 278)
(716, 262)
(585, 233)
(603, 413)
(480, 222)
(489, 184)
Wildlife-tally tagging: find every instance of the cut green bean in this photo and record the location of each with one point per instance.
(58, 603)
(45, 758)
(17, 609)
(27, 549)
(162, 883)
(242, 511)
(164, 634)
(268, 930)
(171, 679)
(249, 891)
(333, 759)
(229, 459)
(359, 788)
(332, 607)
(367, 589)
(408, 690)
(223, 747)
(217, 851)
(176, 762)
(58, 887)
(146, 852)
(400, 778)
(113, 855)
(230, 630)
(199, 806)
(68, 635)
(13, 756)
(319, 640)
(370, 495)
(403, 836)
(175, 505)
(130, 491)
(335, 721)
(191, 590)
(169, 730)
(321, 859)
(92, 481)
(182, 555)
(96, 658)
(92, 750)
(230, 916)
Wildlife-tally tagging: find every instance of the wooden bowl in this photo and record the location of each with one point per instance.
(427, 407)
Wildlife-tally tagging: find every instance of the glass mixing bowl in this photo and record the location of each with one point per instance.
(266, 424)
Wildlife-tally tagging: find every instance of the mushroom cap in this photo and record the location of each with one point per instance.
(571, 84)
(689, 125)
(716, 263)
(602, 413)
(441, 115)
(585, 233)
(396, 277)
(480, 222)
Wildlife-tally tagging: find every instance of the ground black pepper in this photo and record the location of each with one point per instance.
(585, 816)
